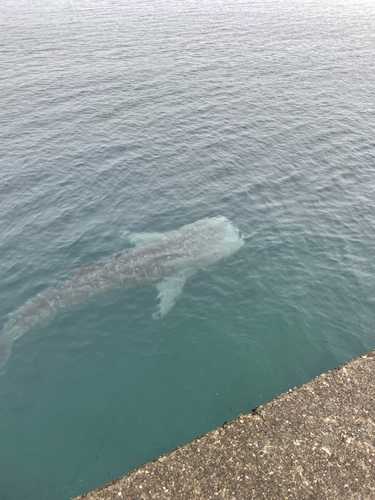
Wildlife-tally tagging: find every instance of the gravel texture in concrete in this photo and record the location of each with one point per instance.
(315, 442)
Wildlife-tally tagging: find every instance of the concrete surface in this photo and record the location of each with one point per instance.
(315, 442)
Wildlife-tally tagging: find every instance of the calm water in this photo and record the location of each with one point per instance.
(120, 117)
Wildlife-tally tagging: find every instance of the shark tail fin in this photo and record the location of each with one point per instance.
(5, 350)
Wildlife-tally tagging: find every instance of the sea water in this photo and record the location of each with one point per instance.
(143, 116)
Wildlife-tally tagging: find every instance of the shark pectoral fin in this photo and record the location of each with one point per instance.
(138, 239)
(169, 292)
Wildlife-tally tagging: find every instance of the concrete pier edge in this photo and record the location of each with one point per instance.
(314, 442)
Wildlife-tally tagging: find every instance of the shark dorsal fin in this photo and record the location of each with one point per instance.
(79, 271)
(138, 239)
(88, 268)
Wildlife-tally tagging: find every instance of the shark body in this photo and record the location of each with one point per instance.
(162, 259)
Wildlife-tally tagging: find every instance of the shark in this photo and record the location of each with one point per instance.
(165, 260)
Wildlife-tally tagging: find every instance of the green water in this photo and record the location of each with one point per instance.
(119, 118)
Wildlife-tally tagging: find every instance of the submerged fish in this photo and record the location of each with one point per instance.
(162, 259)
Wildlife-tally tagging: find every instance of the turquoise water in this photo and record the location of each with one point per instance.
(127, 117)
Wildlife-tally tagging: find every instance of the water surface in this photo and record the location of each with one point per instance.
(121, 117)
